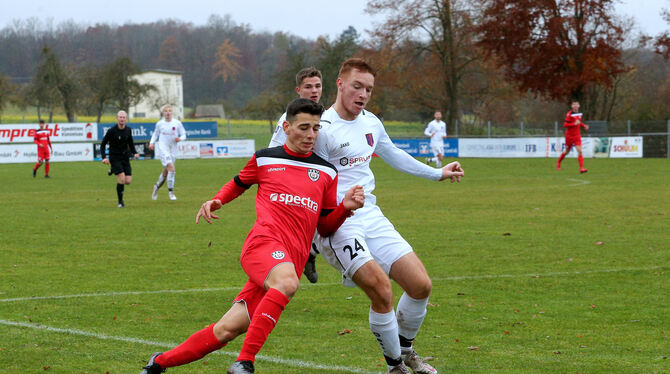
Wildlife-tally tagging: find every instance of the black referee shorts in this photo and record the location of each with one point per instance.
(121, 165)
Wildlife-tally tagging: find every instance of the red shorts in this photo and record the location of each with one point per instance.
(573, 141)
(259, 256)
(43, 153)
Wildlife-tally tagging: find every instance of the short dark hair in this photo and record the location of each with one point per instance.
(301, 105)
(41, 121)
(356, 63)
(306, 73)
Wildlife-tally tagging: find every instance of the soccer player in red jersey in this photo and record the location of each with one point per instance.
(44, 149)
(573, 123)
(297, 193)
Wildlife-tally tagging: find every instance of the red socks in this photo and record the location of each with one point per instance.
(263, 321)
(46, 168)
(37, 166)
(581, 161)
(194, 348)
(561, 159)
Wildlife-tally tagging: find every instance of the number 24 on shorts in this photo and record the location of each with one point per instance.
(353, 252)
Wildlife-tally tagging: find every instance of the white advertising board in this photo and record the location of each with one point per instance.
(62, 152)
(59, 132)
(626, 147)
(216, 148)
(519, 147)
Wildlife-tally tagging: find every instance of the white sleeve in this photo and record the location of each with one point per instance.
(429, 129)
(444, 130)
(154, 136)
(402, 161)
(182, 132)
(279, 136)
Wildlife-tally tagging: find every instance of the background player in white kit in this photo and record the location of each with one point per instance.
(367, 247)
(169, 131)
(308, 85)
(437, 131)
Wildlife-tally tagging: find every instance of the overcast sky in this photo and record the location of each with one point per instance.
(327, 17)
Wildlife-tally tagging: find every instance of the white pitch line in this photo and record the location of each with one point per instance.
(434, 279)
(276, 360)
(580, 182)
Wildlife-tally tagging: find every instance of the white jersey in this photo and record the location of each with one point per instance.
(349, 146)
(279, 136)
(164, 137)
(437, 130)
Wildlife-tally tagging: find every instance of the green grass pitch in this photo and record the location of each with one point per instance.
(534, 271)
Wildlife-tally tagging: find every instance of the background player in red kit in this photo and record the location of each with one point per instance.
(297, 193)
(573, 123)
(44, 149)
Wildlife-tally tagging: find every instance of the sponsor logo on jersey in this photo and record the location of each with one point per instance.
(295, 200)
(370, 139)
(278, 255)
(275, 169)
(344, 145)
(353, 161)
(313, 174)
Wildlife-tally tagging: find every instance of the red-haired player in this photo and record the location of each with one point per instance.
(573, 124)
(44, 149)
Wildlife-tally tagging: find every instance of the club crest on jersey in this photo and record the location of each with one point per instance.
(278, 255)
(344, 161)
(314, 174)
(370, 139)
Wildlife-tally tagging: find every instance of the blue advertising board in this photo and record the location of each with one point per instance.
(144, 131)
(421, 147)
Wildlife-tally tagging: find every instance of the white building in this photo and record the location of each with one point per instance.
(170, 90)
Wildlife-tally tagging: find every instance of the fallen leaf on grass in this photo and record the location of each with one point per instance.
(473, 348)
(507, 234)
(46, 367)
(507, 333)
(599, 243)
(557, 352)
(209, 245)
(345, 331)
(593, 306)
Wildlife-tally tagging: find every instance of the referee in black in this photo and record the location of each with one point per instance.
(121, 146)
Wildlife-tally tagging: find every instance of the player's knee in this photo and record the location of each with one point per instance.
(224, 332)
(287, 285)
(421, 289)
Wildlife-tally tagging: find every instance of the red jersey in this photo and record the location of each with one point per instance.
(294, 190)
(571, 126)
(42, 137)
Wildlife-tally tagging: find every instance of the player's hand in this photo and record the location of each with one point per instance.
(137, 156)
(105, 161)
(40, 146)
(452, 171)
(206, 211)
(354, 198)
(177, 139)
(586, 127)
(151, 146)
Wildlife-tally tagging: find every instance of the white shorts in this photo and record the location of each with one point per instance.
(167, 158)
(365, 236)
(437, 149)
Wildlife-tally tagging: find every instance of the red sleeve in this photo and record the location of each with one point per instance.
(569, 120)
(239, 184)
(35, 138)
(49, 141)
(327, 225)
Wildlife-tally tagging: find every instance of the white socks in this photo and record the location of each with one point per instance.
(438, 164)
(411, 313)
(161, 180)
(384, 327)
(170, 179)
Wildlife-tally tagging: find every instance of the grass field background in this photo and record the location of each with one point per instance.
(534, 271)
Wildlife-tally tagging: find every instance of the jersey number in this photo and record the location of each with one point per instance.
(352, 252)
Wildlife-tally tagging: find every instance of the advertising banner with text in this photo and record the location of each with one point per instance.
(59, 132)
(519, 147)
(626, 147)
(62, 152)
(421, 147)
(144, 131)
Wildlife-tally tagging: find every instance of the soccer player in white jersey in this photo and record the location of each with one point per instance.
(308, 85)
(437, 131)
(169, 131)
(367, 249)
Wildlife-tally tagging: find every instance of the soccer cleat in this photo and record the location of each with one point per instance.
(172, 196)
(109, 172)
(417, 364)
(34, 173)
(121, 205)
(582, 170)
(47, 176)
(152, 366)
(241, 367)
(154, 195)
(558, 167)
(310, 269)
(400, 369)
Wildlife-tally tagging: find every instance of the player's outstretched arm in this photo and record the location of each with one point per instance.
(453, 171)
(206, 211)
(354, 198)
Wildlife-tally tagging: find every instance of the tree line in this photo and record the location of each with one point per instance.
(476, 60)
